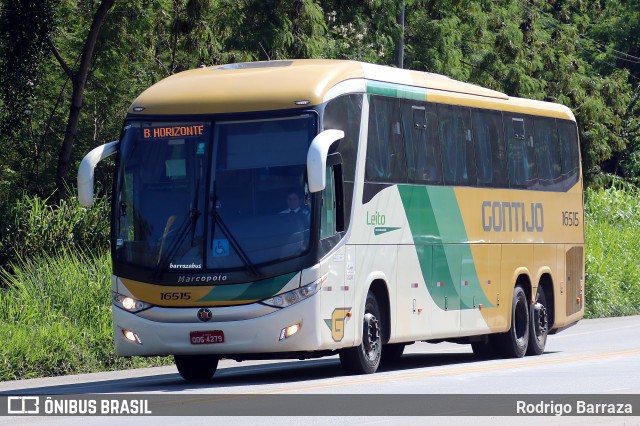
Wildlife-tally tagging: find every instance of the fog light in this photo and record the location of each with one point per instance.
(289, 331)
(131, 336)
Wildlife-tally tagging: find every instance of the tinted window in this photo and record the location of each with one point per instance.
(520, 151)
(458, 160)
(420, 131)
(328, 215)
(385, 148)
(344, 113)
(488, 139)
(569, 151)
(547, 150)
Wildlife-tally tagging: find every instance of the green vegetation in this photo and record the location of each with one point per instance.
(34, 227)
(583, 54)
(55, 318)
(55, 300)
(612, 236)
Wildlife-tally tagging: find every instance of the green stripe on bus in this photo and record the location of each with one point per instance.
(446, 261)
(396, 90)
(256, 290)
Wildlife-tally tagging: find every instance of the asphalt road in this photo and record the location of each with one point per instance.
(594, 357)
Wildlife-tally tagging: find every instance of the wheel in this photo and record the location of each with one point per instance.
(196, 368)
(539, 324)
(484, 349)
(513, 343)
(365, 358)
(391, 353)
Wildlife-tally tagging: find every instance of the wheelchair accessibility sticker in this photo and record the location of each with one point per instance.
(220, 248)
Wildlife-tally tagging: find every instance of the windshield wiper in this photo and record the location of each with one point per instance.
(188, 225)
(217, 219)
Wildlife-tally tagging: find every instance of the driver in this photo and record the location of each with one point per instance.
(294, 205)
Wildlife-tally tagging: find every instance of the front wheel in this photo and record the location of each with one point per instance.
(196, 368)
(514, 343)
(539, 324)
(365, 358)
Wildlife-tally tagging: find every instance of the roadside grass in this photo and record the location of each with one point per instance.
(612, 265)
(55, 318)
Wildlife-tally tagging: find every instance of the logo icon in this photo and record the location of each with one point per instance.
(204, 315)
(23, 405)
(336, 323)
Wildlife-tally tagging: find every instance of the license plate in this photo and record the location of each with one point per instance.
(206, 337)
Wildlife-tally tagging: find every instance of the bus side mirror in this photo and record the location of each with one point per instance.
(85, 171)
(317, 158)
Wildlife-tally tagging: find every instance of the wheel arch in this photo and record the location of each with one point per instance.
(522, 278)
(380, 290)
(546, 283)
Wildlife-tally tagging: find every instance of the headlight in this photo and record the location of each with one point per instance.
(128, 303)
(294, 296)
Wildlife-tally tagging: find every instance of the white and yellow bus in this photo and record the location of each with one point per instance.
(306, 208)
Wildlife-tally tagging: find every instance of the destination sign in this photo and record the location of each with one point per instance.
(173, 131)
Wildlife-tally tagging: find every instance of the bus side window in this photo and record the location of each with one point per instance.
(547, 150)
(569, 152)
(344, 113)
(422, 145)
(520, 152)
(458, 158)
(328, 217)
(385, 148)
(488, 138)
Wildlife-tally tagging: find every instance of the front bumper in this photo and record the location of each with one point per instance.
(250, 336)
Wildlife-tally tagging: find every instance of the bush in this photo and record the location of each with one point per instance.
(35, 228)
(612, 251)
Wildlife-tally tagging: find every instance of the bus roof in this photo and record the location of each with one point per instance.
(287, 84)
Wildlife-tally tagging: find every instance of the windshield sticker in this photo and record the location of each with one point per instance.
(200, 149)
(220, 248)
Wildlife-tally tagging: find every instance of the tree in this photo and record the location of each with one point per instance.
(24, 30)
(79, 80)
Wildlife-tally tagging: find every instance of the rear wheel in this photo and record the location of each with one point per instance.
(196, 368)
(514, 343)
(365, 358)
(539, 324)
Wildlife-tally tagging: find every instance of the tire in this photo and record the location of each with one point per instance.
(391, 353)
(484, 349)
(514, 343)
(196, 368)
(365, 358)
(538, 324)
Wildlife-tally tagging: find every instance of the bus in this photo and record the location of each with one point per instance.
(307, 208)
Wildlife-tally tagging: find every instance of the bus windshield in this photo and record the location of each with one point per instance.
(213, 195)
